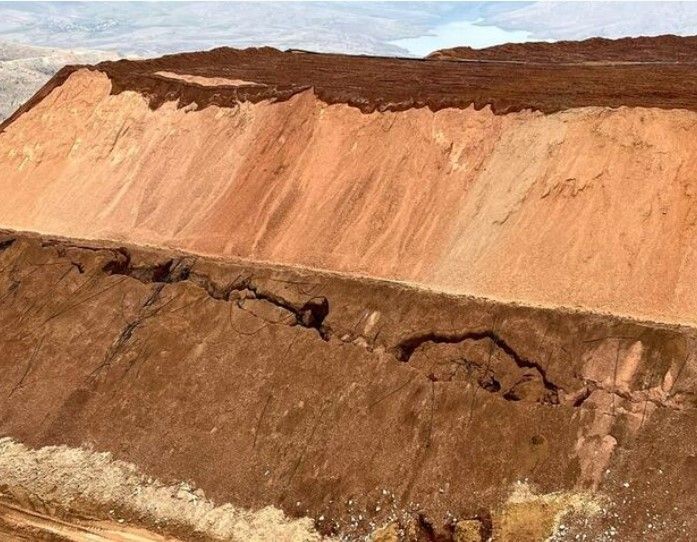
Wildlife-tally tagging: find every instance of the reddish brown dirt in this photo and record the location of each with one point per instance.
(524, 207)
(667, 48)
(397, 84)
(353, 401)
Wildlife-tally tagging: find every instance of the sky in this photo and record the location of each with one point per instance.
(383, 28)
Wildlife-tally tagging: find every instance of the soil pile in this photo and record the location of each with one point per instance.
(589, 207)
(252, 351)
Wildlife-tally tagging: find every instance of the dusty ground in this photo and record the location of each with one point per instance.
(521, 207)
(19, 523)
(555, 401)
(351, 401)
(77, 480)
(59, 493)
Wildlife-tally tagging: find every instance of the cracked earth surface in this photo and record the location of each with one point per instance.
(354, 402)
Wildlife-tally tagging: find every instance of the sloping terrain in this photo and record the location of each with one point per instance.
(591, 206)
(411, 300)
(356, 402)
(63, 493)
(24, 69)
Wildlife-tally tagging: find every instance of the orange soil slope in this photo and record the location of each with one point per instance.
(588, 207)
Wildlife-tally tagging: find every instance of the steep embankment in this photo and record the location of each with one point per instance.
(24, 69)
(326, 161)
(356, 402)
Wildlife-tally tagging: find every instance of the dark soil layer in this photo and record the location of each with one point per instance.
(347, 399)
(396, 84)
(666, 48)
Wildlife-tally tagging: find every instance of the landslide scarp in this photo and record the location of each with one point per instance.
(522, 206)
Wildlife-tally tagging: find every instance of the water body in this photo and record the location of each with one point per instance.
(471, 33)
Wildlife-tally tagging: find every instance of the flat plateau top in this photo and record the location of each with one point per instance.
(667, 48)
(641, 72)
(393, 83)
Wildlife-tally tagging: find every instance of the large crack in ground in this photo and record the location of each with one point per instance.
(406, 348)
(312, 312)
(6, 243)
(496, 356)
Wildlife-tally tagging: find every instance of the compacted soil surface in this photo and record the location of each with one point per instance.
(659, 49)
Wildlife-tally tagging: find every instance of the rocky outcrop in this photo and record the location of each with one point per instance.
(354, 401)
